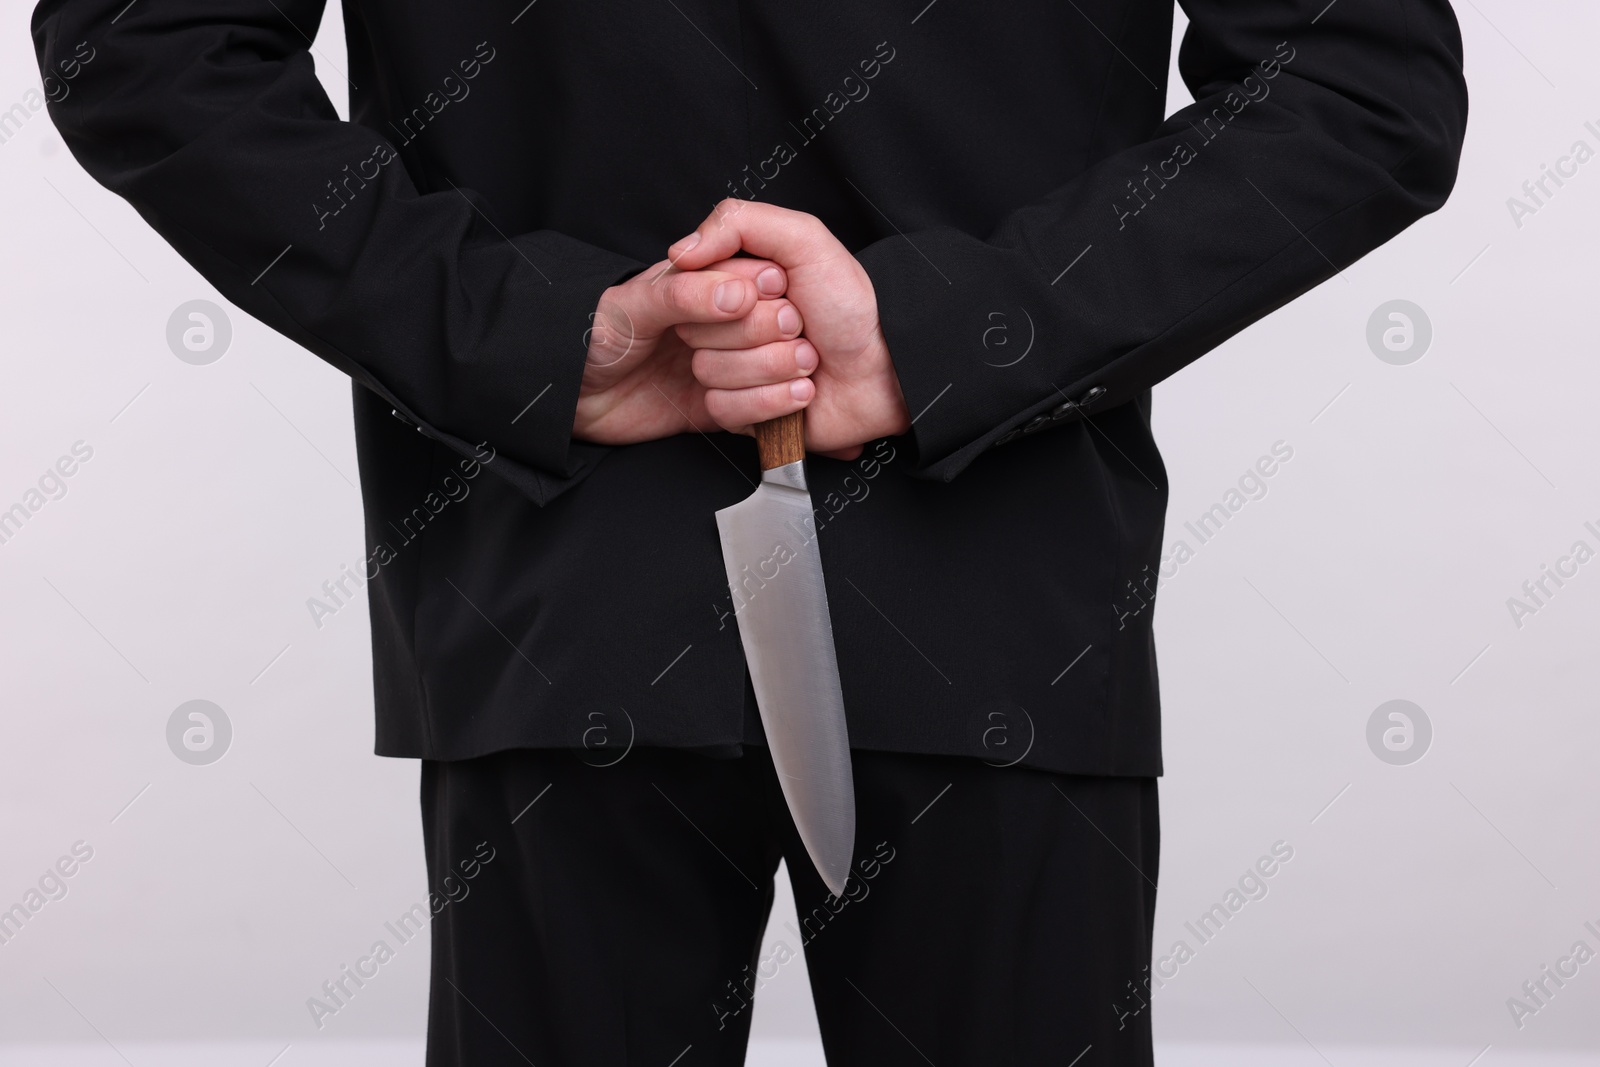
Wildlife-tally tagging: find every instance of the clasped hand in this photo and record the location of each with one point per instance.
(706, 340)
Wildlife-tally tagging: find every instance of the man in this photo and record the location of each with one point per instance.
(973, 245)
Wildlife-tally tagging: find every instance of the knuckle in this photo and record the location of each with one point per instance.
(681, 290)
(722, 407)
(753, 329)
(767, 328)
(702, 364)
(780, 361)
(614, 302)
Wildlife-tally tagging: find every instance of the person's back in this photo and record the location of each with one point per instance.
(1027, 245)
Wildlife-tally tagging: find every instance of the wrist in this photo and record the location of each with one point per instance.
(897, 418)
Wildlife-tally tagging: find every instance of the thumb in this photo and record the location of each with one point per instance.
(658, 299)
(788, 238)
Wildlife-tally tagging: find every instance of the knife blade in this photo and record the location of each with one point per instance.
(769, 547)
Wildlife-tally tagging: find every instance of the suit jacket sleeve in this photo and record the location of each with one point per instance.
(207, 116)
(1313, 139)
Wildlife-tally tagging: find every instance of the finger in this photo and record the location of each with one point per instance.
(771, 280)
(739, 409)
(776, 233)
(654, 304)
(844, 453)
(718, 368)
(768, 321)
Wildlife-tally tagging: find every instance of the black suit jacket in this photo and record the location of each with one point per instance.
(1045, 246)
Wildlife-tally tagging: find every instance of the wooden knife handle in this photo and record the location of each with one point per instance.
(782, 440)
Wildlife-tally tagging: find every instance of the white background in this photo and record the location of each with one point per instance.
(1378, 566)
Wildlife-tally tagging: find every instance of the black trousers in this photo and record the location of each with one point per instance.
(602, 916)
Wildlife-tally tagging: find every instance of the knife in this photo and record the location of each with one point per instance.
(769, 547)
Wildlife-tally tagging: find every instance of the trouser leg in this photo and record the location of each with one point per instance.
(994, 916)
(612, 916)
